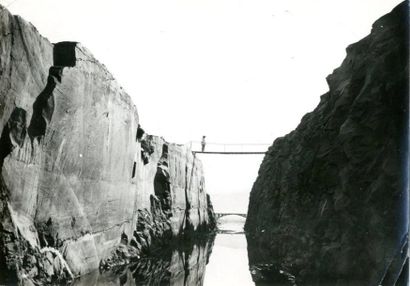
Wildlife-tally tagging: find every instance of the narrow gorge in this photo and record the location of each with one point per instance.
(82, 186)
(330, 204)
(89, 197)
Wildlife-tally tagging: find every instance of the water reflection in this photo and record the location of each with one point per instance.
(184, 266)
(185, 263)
(228, 264)
(263, 267)
(231, 224)
(235, 260)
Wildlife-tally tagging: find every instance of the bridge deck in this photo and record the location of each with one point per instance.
(219, 215)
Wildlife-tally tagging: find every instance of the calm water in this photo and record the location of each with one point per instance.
(228, 264)
(219, 260)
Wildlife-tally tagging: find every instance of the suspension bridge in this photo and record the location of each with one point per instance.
(229, 148)
(219, 215)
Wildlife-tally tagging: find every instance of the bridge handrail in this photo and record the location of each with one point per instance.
(219, 215)
(232, 144)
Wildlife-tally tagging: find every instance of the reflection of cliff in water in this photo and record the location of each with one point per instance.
(182, 264)
(265, 270)
(268, 268)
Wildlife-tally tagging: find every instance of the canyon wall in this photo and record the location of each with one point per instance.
(330, 203)
(78, 185)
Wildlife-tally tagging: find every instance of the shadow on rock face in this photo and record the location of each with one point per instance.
(14, 130)
(43, 106)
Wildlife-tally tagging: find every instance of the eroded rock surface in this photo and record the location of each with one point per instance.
(330, 204)
(75, 187)
(172, 201)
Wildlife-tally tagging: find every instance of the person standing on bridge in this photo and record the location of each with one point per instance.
(203, 143)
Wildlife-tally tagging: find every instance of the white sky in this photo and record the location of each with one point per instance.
(234, 70)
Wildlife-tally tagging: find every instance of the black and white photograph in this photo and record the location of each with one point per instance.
(204, 142)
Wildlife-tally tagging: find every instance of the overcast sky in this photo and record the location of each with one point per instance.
(234, 70)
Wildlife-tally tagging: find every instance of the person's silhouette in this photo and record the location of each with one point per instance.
(203, 143)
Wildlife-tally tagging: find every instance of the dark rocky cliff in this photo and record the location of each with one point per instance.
(79, 187)
(330, 204)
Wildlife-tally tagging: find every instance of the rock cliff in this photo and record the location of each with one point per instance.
(330, 204)
(77, 183)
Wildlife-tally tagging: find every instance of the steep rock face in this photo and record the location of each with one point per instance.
(330, 203)
(179, 185)
(73, 182)
(171, 201)
(25, 57)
